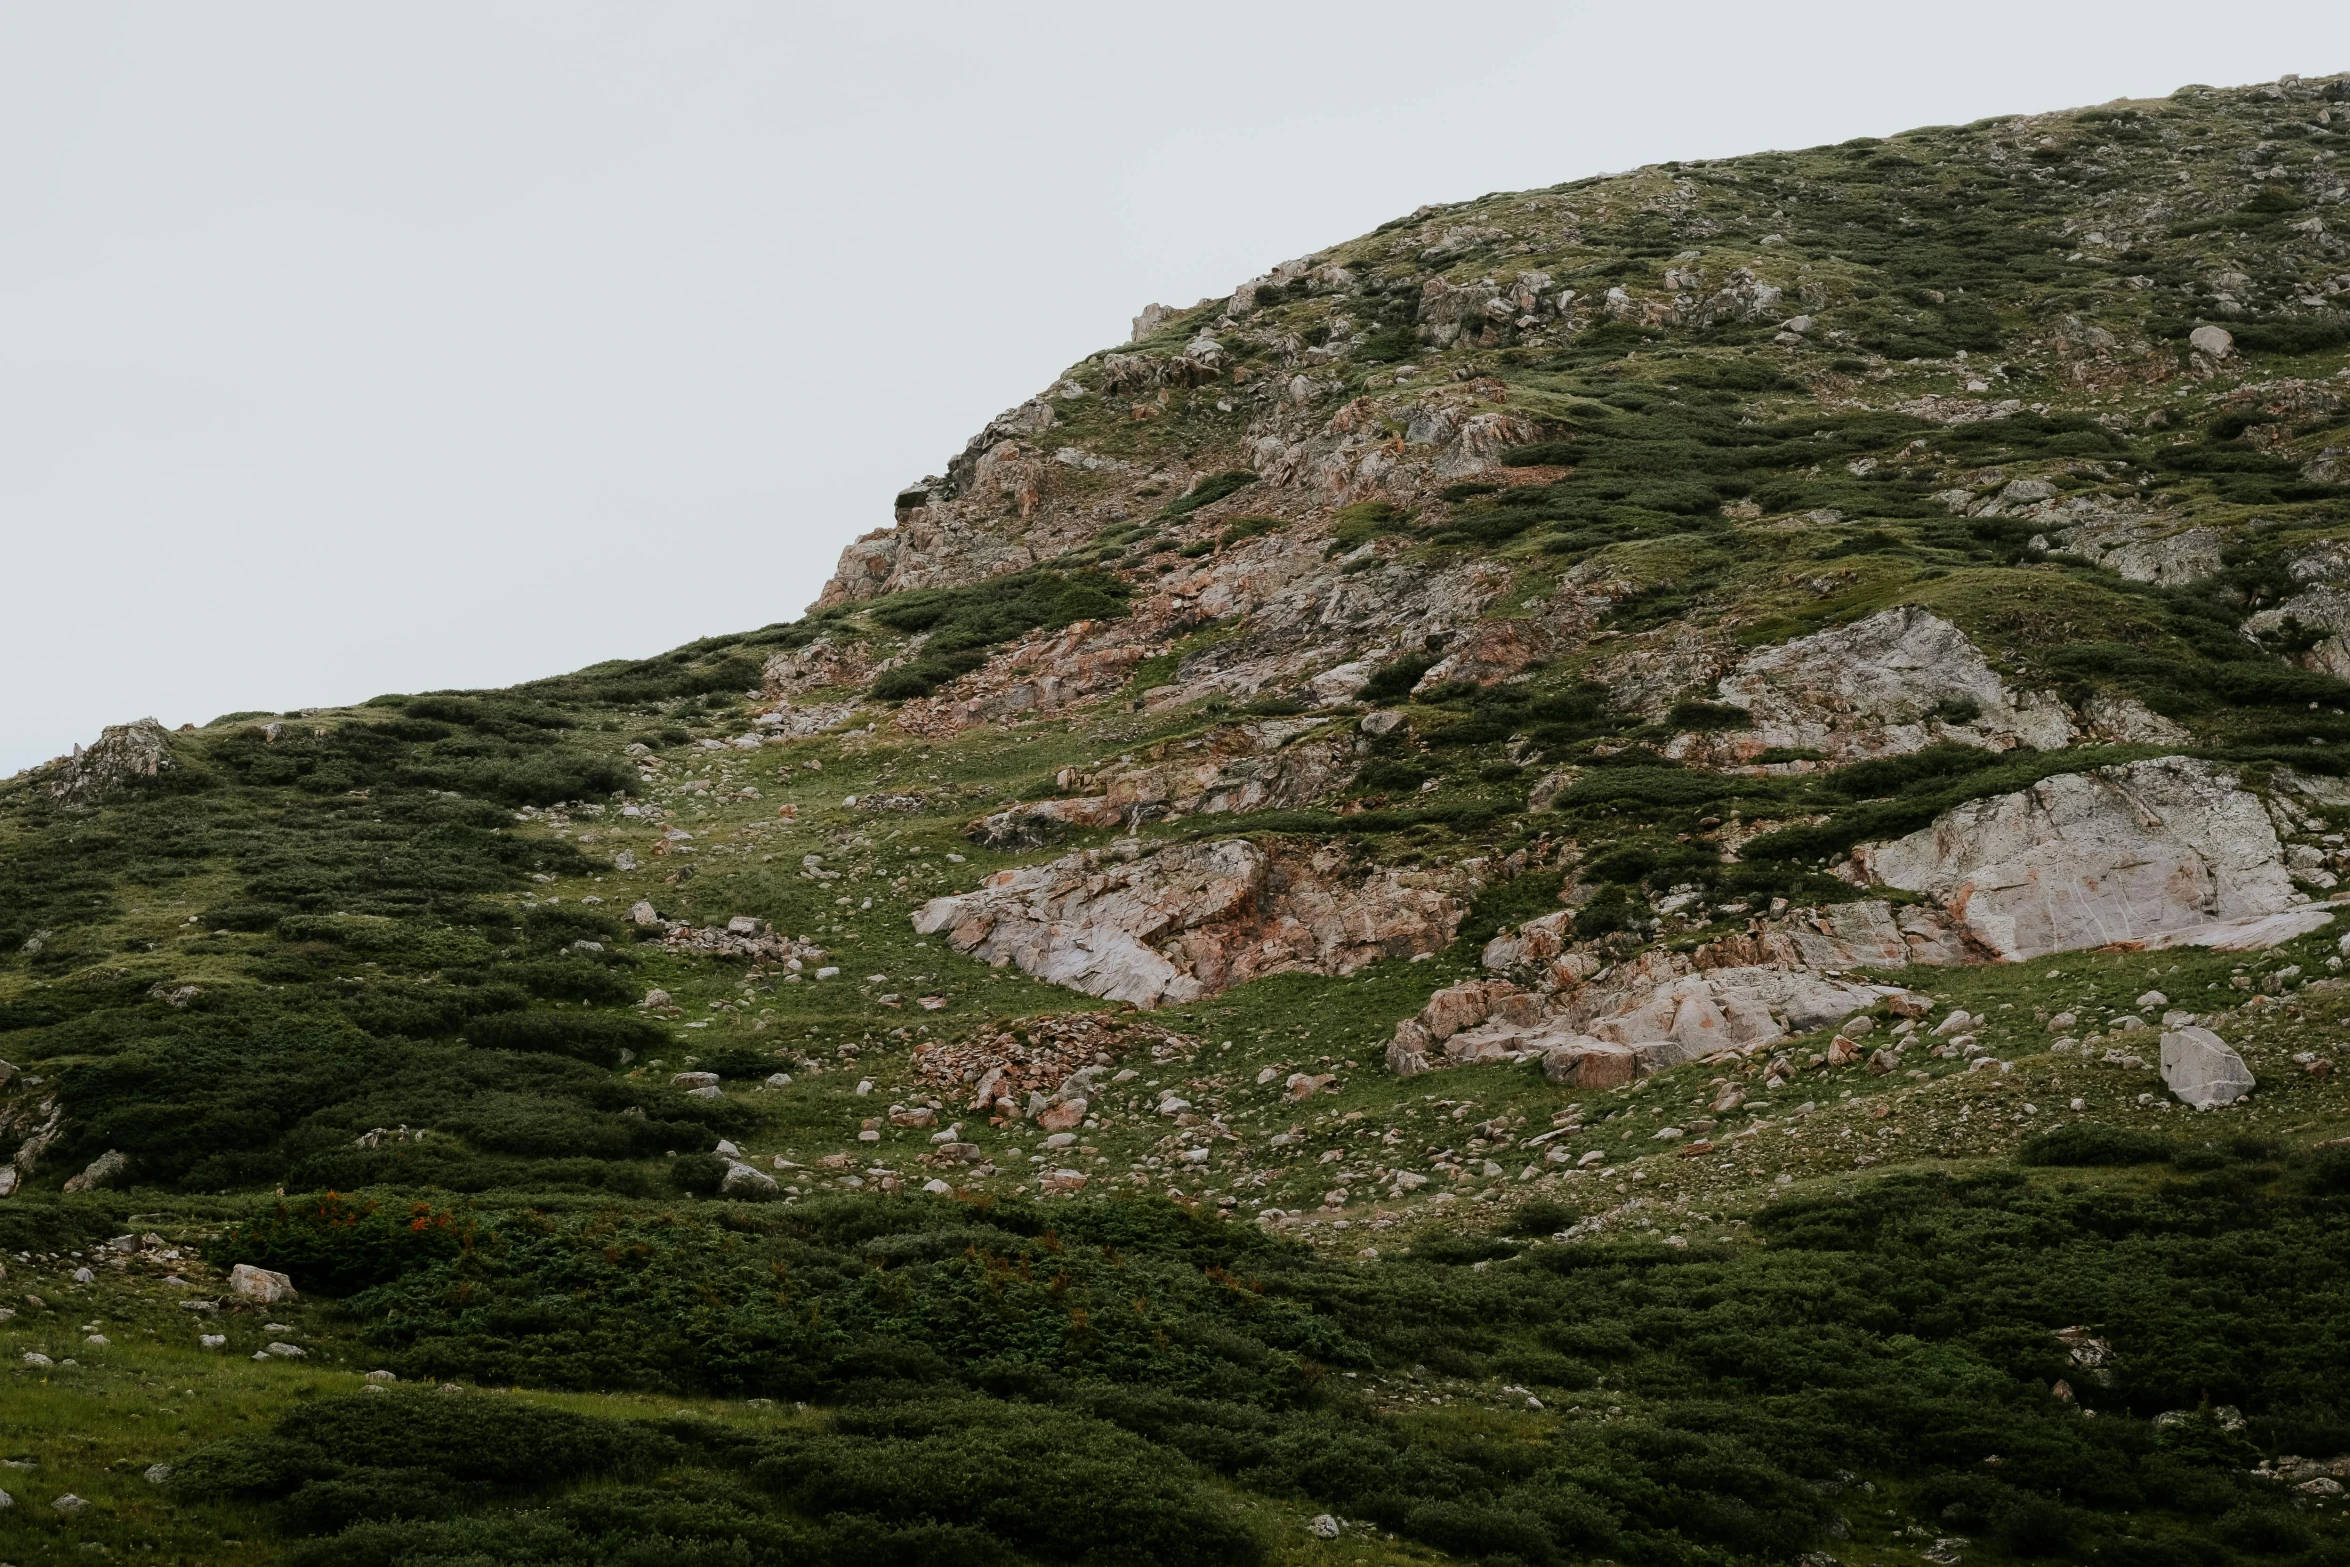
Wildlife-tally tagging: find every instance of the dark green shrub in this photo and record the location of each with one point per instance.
(2329, 1169)
(1708, 715)
(594, 1037)
(740, 1061)
(2264, 1530)
(1244, 528)
(1366, 520)
(1393, 682)
(331, 1244)
(1208, 491)
(2090, 1145)
(1541, 1216)
(697, 1173)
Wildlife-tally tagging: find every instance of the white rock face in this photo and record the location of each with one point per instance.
(2124, 720)
(2198, 1066)
(2121, 854)
(1726, 1008)
(1899, 681)
(1195, 919)
(2142, 548)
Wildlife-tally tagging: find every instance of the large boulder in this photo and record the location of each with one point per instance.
(2119, 854)
(1190, 920)
(742, 1180)
(262, 1286)
(2198, 1066)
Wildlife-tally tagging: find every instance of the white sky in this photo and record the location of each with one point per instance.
(348, 349)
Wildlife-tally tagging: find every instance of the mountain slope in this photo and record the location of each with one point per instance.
(1654, 778)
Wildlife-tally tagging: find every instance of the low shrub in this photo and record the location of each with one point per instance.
(332, 1244)
(1208, 491)
(2091, 1145)
(594, 1037)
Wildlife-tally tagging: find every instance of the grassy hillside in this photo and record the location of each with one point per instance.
(396, 998)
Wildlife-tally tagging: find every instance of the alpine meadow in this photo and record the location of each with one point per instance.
(1646, 872)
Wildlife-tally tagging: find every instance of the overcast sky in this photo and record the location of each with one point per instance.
(350, 348)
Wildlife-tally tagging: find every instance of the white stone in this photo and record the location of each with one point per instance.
(742, 1180)
(260, 1285)
(2198, 1066)
(2212, 342)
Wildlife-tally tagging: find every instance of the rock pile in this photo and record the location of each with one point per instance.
(740, 937)
(1045, 1067)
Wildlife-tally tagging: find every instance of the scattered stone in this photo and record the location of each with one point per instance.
(1006, 1069)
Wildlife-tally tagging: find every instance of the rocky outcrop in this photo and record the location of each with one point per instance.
(1083, 660)
(826, 662)
(1191, 920)
(121, 753)
(1659, 1010)
(1239, 767)
(2120, 854)
(2124, 720)
(2321, 606)
(1899, 681)
(41, 1123)
(1663, 997)
(2143, 549)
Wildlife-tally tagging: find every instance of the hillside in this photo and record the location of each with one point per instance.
(1643, 871)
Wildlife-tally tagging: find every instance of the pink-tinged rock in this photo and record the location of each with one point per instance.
(1454, 1008)
(1590, 1063)
(1407, 1052)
